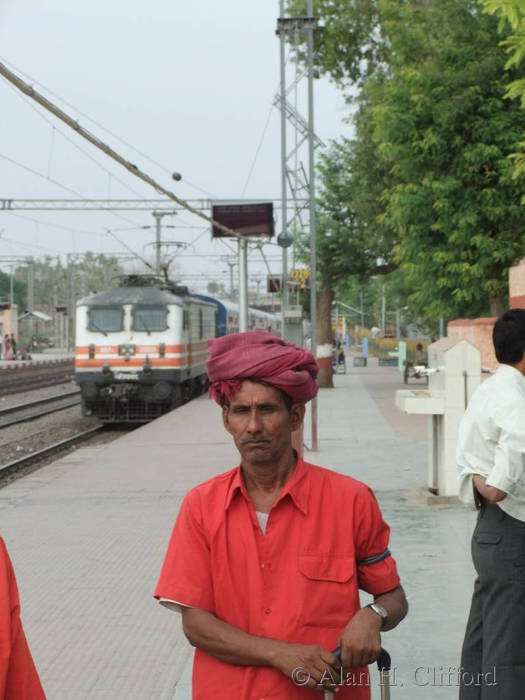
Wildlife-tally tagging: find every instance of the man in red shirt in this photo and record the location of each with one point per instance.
(266, 561)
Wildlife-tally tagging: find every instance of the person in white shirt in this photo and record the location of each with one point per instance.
(491, 468)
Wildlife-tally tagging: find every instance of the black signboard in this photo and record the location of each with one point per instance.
(245, 219)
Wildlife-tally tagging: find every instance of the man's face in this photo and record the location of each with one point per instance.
(260, 423)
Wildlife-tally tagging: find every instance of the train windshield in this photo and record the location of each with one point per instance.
(150, 318)
(106, 319)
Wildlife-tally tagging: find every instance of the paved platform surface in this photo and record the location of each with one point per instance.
(88, 533)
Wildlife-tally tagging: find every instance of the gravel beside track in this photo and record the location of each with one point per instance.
(35, 394)
(22, 439)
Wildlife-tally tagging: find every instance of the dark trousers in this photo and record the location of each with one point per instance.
(493, 655)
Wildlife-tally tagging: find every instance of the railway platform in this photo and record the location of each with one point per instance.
(88, 533)
(38, 358)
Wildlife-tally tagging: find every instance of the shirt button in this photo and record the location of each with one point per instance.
(267, 611)
(262, 566)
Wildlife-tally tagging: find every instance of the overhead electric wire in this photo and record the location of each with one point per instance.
(265, 129)
(261, 141)
(131, 167)
(30, 246)
(48, 223)
(44, 177)
(69, 140)
(58, 184)
(110, 233)
(101, 126)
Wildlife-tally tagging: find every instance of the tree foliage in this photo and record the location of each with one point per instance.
(512, 13)
(426, 183)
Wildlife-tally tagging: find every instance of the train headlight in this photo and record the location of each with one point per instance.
(92, 352)
(162, 349)
(126, 351)
(106, 369)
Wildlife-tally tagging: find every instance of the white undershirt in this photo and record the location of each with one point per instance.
(263, 520)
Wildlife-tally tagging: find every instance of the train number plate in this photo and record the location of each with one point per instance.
(127, 376)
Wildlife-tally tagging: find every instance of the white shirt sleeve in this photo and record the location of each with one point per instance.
(509, 456)
(509, 460)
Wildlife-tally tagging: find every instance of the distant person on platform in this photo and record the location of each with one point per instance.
(420, 356)
(266, 560)
(8, 351)
(491, 464)
(13, 345)
(18, 676)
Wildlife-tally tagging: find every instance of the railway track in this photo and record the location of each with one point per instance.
(18, 378)
(50, 450)
(35, 409)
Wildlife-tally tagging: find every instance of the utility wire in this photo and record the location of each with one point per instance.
(261, 141)
(265, 129)
(101, 126)
(110, 233)
(131, 167)
(44, 177)
(75, 145)
(48, 223)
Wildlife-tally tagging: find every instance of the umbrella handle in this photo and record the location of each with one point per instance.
(384, 664)
(383, 660)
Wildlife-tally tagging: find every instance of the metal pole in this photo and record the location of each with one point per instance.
(243, 285)
(231, 265)
(383, 311)
(57, 320)
(284, 202)
(441, 327)
(70, 326)
(398, 324)
(336, 323)
(158, 241)
(11, 291)
(362, 313)
(30, 292)
(313, 251)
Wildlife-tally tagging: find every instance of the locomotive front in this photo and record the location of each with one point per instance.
(141, 350)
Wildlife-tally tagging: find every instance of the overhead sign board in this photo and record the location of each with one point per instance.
(246, 219)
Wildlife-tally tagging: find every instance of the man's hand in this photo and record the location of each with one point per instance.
(307, 665)
(490, 494)
(360, 640)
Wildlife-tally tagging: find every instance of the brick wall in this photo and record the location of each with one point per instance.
(517, 286)
(479, 332)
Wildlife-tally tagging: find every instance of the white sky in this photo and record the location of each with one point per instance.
(190, 84)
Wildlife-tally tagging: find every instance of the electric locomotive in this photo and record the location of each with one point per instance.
(141, 349)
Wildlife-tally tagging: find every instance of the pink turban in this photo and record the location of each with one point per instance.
(263, 356)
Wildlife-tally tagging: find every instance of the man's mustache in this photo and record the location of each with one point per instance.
(254, 441)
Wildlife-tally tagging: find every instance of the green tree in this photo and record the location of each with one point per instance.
(446, 131)
(19, 290)
(433, 117)
(512, 12)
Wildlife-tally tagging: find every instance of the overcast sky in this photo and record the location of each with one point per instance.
(189, 84)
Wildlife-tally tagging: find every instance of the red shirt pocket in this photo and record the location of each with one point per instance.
(327, 593)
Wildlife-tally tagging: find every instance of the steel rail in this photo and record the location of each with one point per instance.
(39, 454)
(64, 402)
(37, 402)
